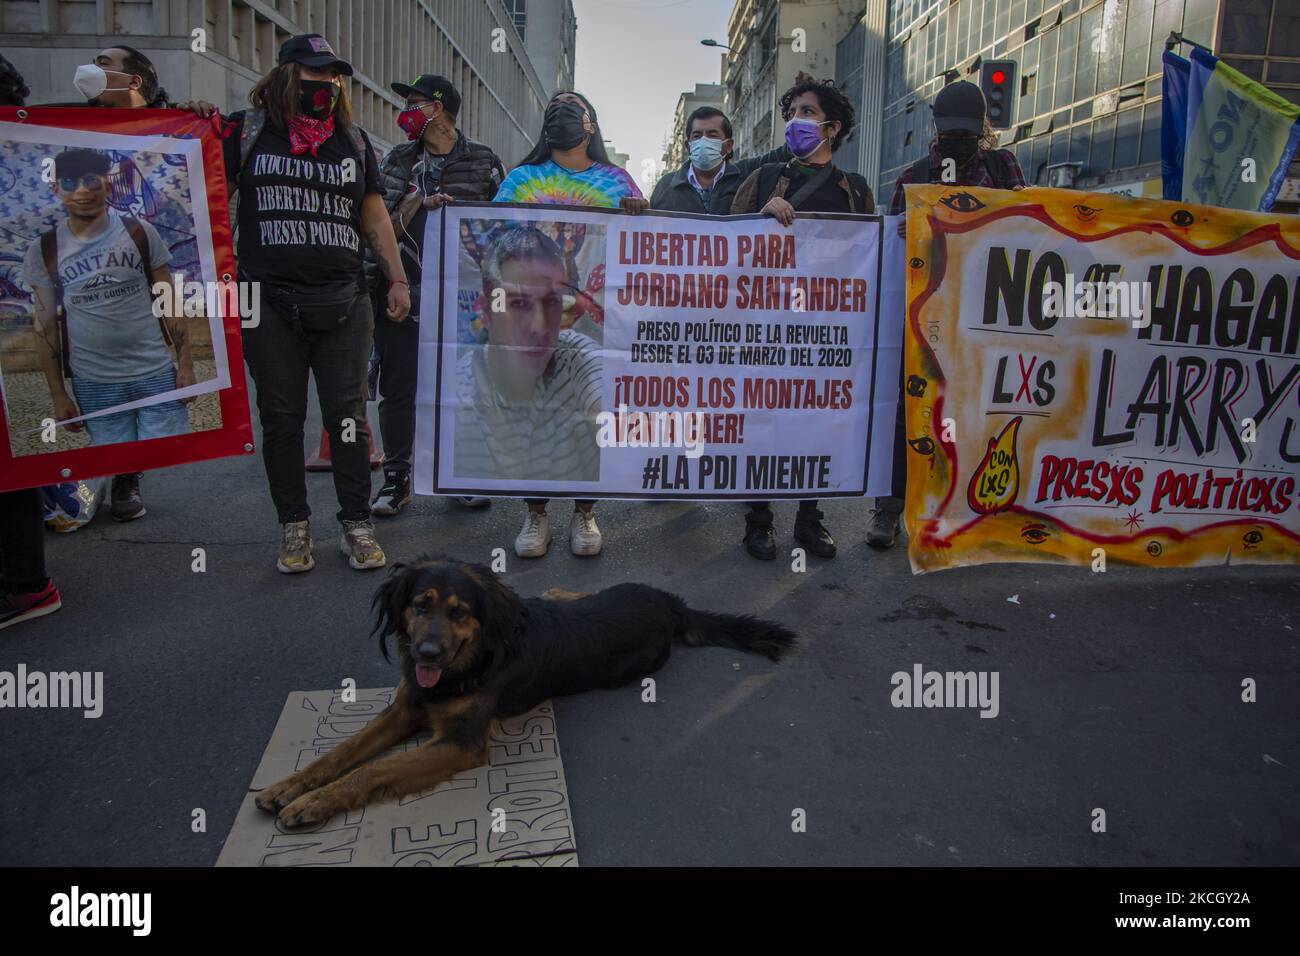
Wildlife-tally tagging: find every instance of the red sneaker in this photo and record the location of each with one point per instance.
(19, 606)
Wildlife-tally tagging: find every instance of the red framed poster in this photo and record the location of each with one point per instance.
(122, 202)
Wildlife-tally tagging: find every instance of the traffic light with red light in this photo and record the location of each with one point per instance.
(997, 83)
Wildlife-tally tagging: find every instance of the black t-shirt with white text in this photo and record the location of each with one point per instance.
(300, 215)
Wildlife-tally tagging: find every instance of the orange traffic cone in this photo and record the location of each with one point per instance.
(320, 459)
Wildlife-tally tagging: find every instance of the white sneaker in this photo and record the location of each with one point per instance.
(471, 501)
(584, 534)
(535, 538)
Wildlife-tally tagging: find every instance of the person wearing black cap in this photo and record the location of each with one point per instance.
(309, 202)
(963, 153)
(438, 164)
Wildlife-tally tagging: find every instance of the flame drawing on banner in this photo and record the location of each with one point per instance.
(996, 481)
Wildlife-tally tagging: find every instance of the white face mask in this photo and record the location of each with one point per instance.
(92, 80)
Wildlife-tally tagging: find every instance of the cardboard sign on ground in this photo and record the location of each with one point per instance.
(521, 789)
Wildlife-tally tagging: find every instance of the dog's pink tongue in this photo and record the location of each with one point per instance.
(427, 676)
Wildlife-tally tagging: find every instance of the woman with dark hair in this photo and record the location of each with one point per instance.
(309, 201)
(819, 118)
(569, 167)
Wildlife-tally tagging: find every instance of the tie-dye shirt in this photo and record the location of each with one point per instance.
(548, 182)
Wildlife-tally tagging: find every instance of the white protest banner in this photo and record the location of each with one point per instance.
(586, 352)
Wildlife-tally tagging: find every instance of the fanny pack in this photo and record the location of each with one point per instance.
(314, 311)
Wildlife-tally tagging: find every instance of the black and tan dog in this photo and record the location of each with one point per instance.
(473, 650)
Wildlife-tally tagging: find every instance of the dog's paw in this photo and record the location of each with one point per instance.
(279, 795)
(310, 809)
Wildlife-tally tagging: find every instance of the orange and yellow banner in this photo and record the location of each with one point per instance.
(1092, 378)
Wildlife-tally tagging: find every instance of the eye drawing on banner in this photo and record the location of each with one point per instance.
(1035, 533)
(915, 386)
(1253, 537)
(528, 364)
(1086, 213)
(89, 339)
(962, 202)
(996, 480)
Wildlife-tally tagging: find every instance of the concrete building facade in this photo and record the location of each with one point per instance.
(772, 41)
(549, 30)
(217, 49)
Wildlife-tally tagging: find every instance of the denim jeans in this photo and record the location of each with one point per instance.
(138, 424)
(279, 359)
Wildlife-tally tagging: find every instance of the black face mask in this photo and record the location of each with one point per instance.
(563, 127)
(958, 146)
(319, 98)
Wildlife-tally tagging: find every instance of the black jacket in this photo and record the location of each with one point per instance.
(674, 193)
(470, 171)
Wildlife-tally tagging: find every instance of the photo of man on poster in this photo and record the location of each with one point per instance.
(528, 396)
(99, 342)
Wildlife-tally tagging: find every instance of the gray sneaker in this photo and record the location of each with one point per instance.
(882, 528)
(295, 549)
(357, 541)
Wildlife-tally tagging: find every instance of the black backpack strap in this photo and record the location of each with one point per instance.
(50, 256)
(995, 161)
(141, 240)
(254, 122)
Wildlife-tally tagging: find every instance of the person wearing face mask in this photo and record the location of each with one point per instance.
(569, 166)
(437, 164)
(963, 153)
(819, 118)
(707, 181)
(309, 202)
(121, 77)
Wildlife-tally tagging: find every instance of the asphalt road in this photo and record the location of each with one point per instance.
(1119, 691)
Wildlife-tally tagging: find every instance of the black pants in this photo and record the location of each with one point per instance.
(22, 547)
(279, 358)
(398, 345)
(760, 512)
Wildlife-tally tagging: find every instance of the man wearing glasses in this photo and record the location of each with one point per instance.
(437, 165)
(107, 342)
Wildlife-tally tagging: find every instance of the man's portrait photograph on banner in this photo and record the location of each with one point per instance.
(528, 366)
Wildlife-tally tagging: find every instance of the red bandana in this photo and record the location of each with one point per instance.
(306, 133)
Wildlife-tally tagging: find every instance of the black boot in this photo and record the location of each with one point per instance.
(124, 497)
(808, 531)
(760, 542)
(882, 529)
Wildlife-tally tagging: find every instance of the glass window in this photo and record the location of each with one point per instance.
(963, 31)
(1023, 155)
(1060, 147)
(1150, 135)
(1109, 52)
(1103, 137)
(1245, 26)
(1029, 79)
(1127, 129)
(1082, 112)
(1038, 158)
(1279, 72)
(1047, 70)
(1252, 68)
(1004, 12)
(1168, 16)
(1137, 40)
(1200, 17)
(1033, 8)
(1065, 63)
(986, 26)
(1285, 39)
(1017, 19)
(1085, 74)
(1079, 142)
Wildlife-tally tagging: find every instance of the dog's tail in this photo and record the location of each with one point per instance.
(744, 632)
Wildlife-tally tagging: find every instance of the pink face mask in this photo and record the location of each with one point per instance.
(413, 122)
